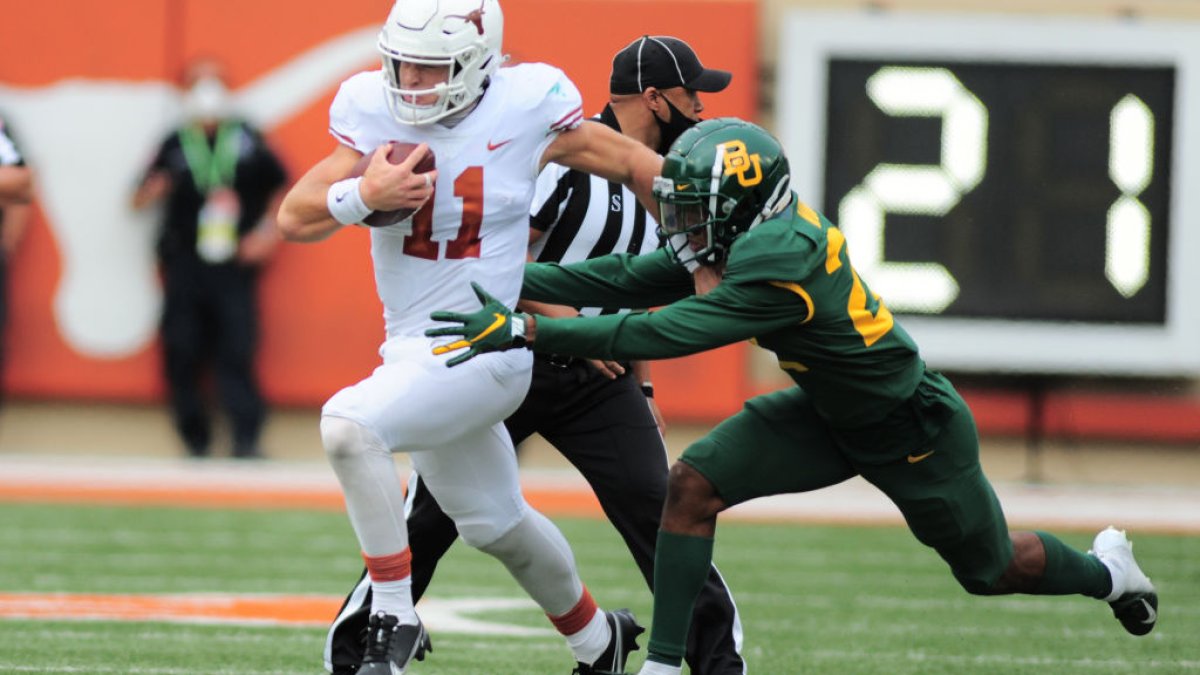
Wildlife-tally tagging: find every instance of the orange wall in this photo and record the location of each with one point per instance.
(321, 318)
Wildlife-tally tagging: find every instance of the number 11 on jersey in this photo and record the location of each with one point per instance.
(468, 187)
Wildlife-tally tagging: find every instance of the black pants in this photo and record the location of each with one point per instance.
(210, 319)
(606, 430)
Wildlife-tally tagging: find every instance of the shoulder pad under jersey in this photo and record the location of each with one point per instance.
(359, 116)
(545, 92)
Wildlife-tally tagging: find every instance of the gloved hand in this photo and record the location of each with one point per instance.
(494, 328)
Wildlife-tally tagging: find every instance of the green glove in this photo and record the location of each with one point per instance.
(494, 328)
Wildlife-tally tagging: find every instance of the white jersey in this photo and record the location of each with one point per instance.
(478, 227)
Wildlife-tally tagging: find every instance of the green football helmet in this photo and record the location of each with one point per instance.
(719, 179)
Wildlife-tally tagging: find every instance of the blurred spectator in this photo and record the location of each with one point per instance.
(221, 185)
(16, 185)
(16, 189)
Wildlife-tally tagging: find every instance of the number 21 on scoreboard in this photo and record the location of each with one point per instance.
(932, 190)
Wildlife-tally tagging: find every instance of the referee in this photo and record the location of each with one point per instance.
(600, 415)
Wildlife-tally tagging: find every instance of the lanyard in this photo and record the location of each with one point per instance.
(211, 166)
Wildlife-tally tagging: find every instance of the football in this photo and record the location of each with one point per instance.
(397, 155)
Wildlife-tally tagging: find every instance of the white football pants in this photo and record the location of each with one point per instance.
(450, 421)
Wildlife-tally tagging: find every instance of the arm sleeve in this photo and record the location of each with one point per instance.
(728, 314)
(619, 281)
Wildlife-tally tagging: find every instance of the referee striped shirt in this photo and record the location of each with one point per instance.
(583, 216)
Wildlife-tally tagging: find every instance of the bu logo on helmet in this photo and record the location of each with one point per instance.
(739, 161)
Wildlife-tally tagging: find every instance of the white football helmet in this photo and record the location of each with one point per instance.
(462, 34)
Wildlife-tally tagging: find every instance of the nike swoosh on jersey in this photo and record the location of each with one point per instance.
(913, 459)
(496, 146)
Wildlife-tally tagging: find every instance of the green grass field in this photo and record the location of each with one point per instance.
(813, 599)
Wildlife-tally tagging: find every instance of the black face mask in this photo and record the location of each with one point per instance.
(669, 131)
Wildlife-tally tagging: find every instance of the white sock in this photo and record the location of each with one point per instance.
(591, 641)
(656, 668)
(395, 598)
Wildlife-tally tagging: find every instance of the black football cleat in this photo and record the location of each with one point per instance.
(625, 630)
(391, 646)
(1133, 599)
(1137, 612)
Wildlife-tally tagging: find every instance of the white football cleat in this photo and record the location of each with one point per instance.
(1133, 599)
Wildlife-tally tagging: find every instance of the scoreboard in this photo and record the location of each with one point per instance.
(1025, 193)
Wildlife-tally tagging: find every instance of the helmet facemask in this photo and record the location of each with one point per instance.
(452, 95)
(693, 221)
(461, 36)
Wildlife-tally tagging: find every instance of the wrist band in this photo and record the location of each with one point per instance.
(647, 389)
(518, 330)
(345, 202)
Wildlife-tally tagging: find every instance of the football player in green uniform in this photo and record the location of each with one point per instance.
(746, 259)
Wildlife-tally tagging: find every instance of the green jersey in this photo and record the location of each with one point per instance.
(788, 286)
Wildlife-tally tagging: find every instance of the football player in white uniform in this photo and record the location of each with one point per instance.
(491, 130)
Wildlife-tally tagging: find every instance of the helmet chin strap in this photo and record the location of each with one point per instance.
(714, 185)
(776, 202)
(454, 118)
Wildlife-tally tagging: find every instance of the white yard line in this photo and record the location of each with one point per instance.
(1141, 508)
(1020, 663)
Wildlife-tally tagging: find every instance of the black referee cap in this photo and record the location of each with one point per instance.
(662, 62)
